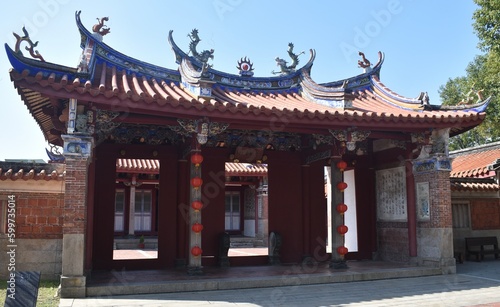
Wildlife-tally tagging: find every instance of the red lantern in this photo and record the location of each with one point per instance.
(342, 250)
(197, 205)
(196, 251)
(341, 186)
(342, 229)
(341, 165)
(197, 227)
(341, 208)
(196, 159)
(196, 182)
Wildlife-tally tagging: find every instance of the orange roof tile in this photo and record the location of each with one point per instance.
(153, 167)
(245, 169)
(117, 81)
(457, 186)
(475, 162)
(143, 166)
(29, 171)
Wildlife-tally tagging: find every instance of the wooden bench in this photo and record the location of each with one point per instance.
(476, 246)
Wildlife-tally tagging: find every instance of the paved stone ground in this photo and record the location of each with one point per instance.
(475, 284)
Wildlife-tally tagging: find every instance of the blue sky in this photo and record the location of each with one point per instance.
(425, 42)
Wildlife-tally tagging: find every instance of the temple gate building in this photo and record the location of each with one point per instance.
(185, 160)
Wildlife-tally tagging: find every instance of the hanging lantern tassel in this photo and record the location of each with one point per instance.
(342, 229)
(341, 186)
(197, 227)
(196, 159)
(196, 251)
(342, 251)
(341, 208)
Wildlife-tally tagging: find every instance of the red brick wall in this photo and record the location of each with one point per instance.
(38, 215)
(393, 242)
(440, 199)
(75, 209)
(485, 214)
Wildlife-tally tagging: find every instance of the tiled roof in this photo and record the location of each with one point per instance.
(31, 171)
(245, 169)
(150, 166)
(457, 186)
(475, 162)
(143, 166)
(474, 169)
(116, 81)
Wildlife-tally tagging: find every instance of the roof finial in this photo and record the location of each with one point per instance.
(19, 39)
(365, 64)
(246, 67)
(100, 27)
(469, 97)
(284, 69)
(204, 56)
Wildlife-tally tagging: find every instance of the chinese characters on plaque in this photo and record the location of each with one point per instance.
(391, 194)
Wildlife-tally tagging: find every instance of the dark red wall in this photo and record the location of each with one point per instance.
(213, 197)
(285, 203)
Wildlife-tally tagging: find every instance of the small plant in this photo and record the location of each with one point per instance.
(141, 242)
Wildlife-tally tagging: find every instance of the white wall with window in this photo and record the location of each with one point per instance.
(233, 211)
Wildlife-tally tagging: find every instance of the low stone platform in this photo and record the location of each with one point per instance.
(108, 283)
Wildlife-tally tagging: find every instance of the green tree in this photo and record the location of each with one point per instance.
(482, 74)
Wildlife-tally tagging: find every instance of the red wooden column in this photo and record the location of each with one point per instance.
(306, 214)
(412, 209)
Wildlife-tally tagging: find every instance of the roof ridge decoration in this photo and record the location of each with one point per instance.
(284, 68)
(245, 66)
(240, 81)
(26, 38)
(204, 56)
(101, 53)
(364, 62)
(100, 28)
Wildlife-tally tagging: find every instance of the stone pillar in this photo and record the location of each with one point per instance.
(77, 151)
(262, 212)
(433, 206)
(337, 261)
(131, 210)
(195, 244)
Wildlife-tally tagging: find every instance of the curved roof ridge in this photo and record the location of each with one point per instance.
(484, 147)
(105, 53)
(410, 103)
(360, 80)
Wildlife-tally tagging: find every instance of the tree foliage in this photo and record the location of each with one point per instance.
(482, 74)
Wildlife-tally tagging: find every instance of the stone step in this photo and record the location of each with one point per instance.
(201, 283)
(132, 243)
